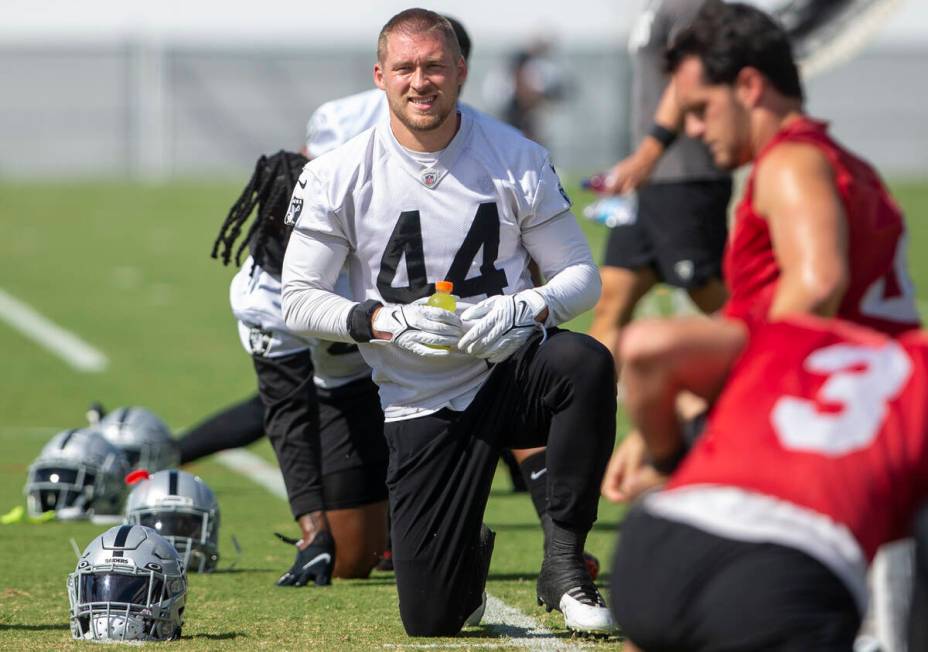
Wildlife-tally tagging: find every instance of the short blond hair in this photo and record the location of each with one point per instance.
(418, 21)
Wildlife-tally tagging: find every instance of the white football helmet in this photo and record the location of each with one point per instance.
(129, 585)
(78, 474)
(143, 437)
(182, 509)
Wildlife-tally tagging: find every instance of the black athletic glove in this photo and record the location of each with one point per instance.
(314, 563)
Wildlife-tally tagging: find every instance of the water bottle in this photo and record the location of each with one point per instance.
(614, 210)
(445, 300)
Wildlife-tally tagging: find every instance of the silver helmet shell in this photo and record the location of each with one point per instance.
(78, 474)
(129, 585)
(182, 509)
(143, 437)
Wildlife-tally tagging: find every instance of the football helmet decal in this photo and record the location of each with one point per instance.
(182, 509)
(78, 474)
(129, 585)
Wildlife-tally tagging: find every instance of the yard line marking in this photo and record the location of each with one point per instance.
(255, 468)
(66, 345)
(521, 630)
(514, 627)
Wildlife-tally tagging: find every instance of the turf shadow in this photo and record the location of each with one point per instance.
(239, 571)
(223, 636)
(33, 628)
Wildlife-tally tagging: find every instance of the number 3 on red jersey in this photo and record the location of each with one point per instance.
(861, 381)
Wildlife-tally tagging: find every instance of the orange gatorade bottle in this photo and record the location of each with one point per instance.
(443, 299)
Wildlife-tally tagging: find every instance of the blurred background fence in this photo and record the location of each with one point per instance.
(150, 111)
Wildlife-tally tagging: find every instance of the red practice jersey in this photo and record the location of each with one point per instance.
(827, 416)
(880, 294)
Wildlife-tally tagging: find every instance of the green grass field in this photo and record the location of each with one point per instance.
(127, 269)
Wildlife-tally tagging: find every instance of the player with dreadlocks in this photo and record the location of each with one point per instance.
(321, 410)
(268, 191)
(243, 423)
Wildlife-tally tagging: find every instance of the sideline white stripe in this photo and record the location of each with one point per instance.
(66, 345)
(517, 629)
(255, 468)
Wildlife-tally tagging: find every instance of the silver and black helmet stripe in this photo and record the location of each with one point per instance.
(172, 483)
(67, 437)
(120, 540)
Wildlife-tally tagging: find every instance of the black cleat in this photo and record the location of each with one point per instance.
(564, 583)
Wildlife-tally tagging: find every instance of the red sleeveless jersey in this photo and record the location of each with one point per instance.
(880, 294)
(828, 416)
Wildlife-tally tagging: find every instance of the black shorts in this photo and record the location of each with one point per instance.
(354, 451)
(441, 466)
(329, 444)
(680, 232)
(676, 587)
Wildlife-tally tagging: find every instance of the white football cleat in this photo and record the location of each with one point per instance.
(585, 611)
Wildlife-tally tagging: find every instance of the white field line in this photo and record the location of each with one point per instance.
(66, 345)
(254, 468)
(514, 627)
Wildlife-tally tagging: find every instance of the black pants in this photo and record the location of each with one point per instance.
(678, 588)
(560, 394)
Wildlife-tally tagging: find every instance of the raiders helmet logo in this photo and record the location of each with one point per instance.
(293, 213)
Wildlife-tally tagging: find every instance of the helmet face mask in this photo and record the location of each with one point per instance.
(129, 585)
(191, 531)
(62, 487)
(182, 509)
(78, 474)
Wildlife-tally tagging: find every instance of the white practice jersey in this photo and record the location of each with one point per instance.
(335, 122)
(403, 220)
(255, 300)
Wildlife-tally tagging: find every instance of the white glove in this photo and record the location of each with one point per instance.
(499, 325)
(417, 328)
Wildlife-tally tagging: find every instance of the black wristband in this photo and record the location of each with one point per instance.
(359, 320)
(662, 134)
(669, 463)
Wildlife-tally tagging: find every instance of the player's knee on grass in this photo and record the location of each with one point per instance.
(430, 606)
(360, 538)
